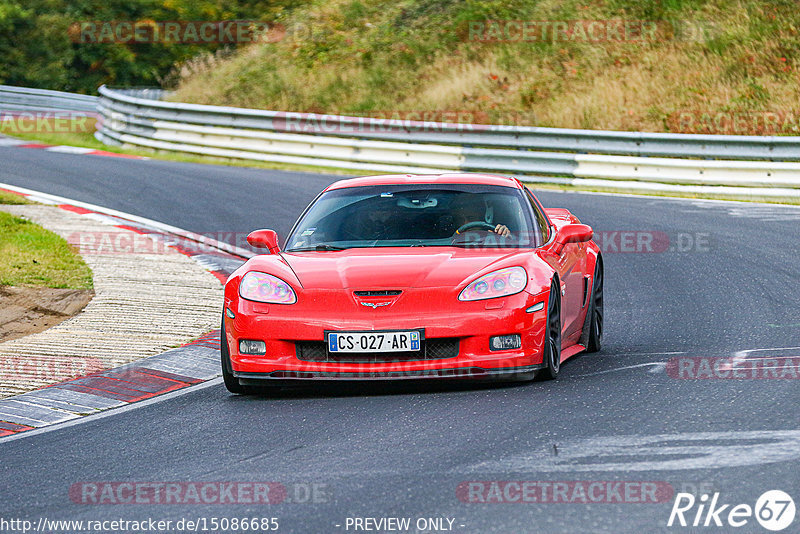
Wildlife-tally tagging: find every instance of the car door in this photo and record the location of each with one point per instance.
(568, 261)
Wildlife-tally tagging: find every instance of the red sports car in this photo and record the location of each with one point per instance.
(410, 277)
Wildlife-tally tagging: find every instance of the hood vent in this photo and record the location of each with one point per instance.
(382, 293)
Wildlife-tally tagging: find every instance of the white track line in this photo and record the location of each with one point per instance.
(112, 411)
(657, 367)
(133, 218)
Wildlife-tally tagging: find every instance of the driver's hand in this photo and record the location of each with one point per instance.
(502, 230)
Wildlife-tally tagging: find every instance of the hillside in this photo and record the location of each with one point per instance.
(716, 66)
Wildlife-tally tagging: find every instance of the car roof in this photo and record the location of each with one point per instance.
(449, 178)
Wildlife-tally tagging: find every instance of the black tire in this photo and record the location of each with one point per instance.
(552, 336)
(593, 325)
(231, 382)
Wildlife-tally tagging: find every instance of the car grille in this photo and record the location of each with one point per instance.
(430, 349)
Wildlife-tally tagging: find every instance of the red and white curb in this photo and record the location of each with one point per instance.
(66, 149)
(185, 366)
(175, 369)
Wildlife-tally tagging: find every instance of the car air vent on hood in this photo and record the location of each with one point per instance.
(382, 293)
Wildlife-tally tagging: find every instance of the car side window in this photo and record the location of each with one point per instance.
(541, 220)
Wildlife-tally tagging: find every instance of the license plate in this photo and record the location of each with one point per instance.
(373, 341)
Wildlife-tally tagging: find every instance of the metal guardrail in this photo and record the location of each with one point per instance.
(630, 160)
(595, 158)
(769, 148)
(42, 100)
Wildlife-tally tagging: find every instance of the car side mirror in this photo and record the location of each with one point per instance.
(267, 239)
(574, 233)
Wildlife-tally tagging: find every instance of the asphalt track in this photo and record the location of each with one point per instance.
(402, 450)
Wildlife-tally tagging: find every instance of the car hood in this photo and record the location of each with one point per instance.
(396, 268)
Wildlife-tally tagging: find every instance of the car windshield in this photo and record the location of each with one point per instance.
(462, 215)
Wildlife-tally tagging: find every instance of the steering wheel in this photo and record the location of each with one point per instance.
(475, 224)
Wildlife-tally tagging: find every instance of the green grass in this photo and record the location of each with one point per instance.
(11, 198)
(53, 127)
(33, 256)
(70, 139)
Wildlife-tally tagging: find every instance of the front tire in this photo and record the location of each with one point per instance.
(231, 382)
(552, 337)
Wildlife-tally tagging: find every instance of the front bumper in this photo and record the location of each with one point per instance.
(469, 373)
(471, 324)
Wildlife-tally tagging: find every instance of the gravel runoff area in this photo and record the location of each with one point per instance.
(146, 301)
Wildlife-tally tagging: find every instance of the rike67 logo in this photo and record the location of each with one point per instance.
(774, 510)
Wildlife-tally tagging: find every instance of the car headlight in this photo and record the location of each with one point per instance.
(263, 287)
(502, 283)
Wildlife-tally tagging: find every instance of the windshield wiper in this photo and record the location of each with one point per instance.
(318, 248)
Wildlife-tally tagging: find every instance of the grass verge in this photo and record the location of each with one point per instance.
(703, 66)
(33, 256)
(11, 198)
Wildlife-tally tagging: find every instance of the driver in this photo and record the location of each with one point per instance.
(471, 212)
(379, 223)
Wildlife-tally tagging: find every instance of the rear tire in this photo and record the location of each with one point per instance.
(593, 326)
(231, 382)
(552, 336)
